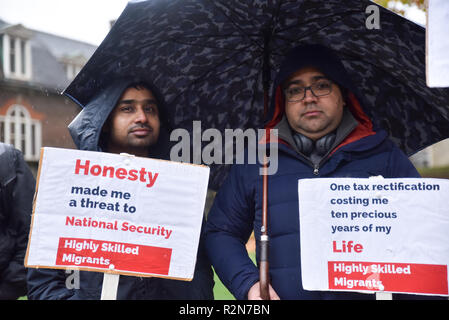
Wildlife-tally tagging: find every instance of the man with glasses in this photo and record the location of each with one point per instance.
(314, 108)
(322, 132)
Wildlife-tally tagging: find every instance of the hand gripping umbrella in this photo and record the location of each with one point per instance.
(213, 61)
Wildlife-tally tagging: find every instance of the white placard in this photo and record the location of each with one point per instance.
(116, 213)
(437, 43)
(374, 235)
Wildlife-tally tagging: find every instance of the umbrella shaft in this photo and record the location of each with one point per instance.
(263, 266)
(266, 68)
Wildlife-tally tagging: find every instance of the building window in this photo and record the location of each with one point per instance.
(2, 131)
(12, 55)
(16, 57)
(72, 70)
(23, 132)
(23, 55)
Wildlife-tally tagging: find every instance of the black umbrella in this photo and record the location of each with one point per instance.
(213, 61)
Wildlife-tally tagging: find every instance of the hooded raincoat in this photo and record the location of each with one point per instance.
(359, 150)
(57, 284)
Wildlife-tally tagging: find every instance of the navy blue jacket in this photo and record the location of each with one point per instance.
(359, 151)
(237, 211)
(57, 284)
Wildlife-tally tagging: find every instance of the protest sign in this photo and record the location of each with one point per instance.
(116, 213)
(437, 43)
(375, 235)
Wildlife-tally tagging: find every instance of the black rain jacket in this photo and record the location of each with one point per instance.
(16, 200)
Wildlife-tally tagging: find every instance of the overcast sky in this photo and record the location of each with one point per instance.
(87, 20)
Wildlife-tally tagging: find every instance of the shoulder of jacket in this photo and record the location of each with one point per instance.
(8, 159)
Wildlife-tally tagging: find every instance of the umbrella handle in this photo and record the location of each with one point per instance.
(263, 265)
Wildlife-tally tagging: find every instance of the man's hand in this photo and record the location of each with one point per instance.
(254, 293)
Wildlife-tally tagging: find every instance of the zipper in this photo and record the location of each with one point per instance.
(315, 166)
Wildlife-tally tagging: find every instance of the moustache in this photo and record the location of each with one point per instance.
(312, 105)
(140, 126)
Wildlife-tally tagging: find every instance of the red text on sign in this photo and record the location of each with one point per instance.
(348, 247)
(141, 175)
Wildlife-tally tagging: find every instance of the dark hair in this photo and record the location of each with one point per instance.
(138, 86)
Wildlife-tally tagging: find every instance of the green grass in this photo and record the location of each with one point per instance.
(437, 172)
(220, 291)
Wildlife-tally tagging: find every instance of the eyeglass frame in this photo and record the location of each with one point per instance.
(310, 88)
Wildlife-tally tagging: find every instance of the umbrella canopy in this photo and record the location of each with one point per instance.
(213, 61)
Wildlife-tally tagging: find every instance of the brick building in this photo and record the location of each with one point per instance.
(35, 67)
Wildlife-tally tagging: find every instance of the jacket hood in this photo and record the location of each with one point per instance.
(86, 128)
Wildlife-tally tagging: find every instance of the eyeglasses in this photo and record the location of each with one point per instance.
(296, 93)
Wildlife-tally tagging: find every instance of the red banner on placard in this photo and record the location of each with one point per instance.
(393, 277)
(123, 256)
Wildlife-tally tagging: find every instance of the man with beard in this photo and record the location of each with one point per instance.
(126, 117)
